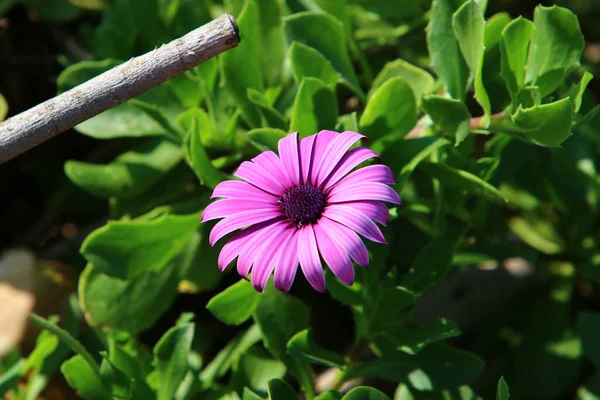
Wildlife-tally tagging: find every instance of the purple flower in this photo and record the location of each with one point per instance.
(301, 204)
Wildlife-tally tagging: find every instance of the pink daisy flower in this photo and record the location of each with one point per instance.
(300, 206)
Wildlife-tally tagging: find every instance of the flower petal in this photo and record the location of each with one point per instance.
(306, 150)
(355, 220)
(260, 178)
(237, 243)
(289, 154)
(375, 210)
(334, 152)
(334, 255)
(269, 253)
(287, 265)
(227, 207)
(238, 221)
(308, 254)
(348, 239)
(363, 191)
(350, 161)
(324, 139)
(371, 173)
(242, 190)
(272, 165)
(254, 247)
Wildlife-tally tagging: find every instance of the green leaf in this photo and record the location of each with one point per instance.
(591, 389)
(390, 113)
(241, 68)
(413, 340)
(448, 115)
(52, 347)
(347, 122)
(545, 125)
(433, 262)
(193, 86)
(202, 274)
(469, 25)
(125, 120)
(119, 385)
(83, 380)
(230, 355)
(198, 159)
(273, 39)
(250, 395)
(329, 395)
(307, 61)
(502, 393)
(255, 368)
(404, 156)
(380, 317)
(390, 9)
(513, 46)
(556, 47)
(420, 81)
(160, 118)
(129, 356)
(365, 393)
(3, 108)
(102, 298)
(273, 118)
(588, 327)
(210, 136)
(280, 390)
(302, 345)
(171, 356)
(538, 233)
(462, 180)
(444, 49)
(226, 305)
(126, 249)
(129, 28)
(170, 188)
(315, 108)
(266, 138)
(11, 374)
(324, 33)
(128, 175)
(437, 367)
(493, 30)
(280, 316)
(577, 90)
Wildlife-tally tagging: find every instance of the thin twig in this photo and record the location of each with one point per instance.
(132, 78)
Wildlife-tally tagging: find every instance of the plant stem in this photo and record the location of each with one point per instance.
(306, 382)
(69, 340)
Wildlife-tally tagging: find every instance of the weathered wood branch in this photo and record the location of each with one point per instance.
(132, 78)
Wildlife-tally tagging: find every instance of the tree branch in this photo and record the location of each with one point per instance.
(132, 78)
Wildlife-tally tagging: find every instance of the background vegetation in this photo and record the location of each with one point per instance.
(487, 118)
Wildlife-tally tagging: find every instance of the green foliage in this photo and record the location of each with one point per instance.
(489, 128)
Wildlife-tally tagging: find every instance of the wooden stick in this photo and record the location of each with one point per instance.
(132, 78)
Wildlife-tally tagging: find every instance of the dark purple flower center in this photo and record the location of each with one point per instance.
(303, 204)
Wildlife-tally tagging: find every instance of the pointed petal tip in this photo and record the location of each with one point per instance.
(258, 286)
(318, 287)
(222, 266)
(285, 287)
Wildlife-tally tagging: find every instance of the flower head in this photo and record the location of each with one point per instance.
(302, 205)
